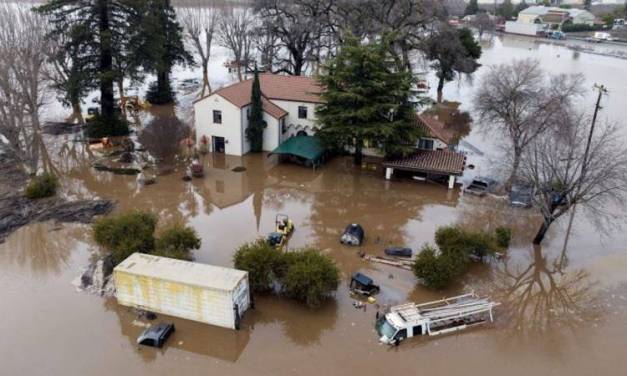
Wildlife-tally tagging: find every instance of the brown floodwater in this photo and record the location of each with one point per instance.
(563, 309)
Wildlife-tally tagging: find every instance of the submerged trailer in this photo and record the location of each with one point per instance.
(210, 294)
(433, 318)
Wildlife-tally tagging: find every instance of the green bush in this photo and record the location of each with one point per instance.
(100, 126)
(503, 237)
(310, 277)
(438, 271)
(304, 274)
(176, 242)
(571, 28)
(260, 260)
(125, 234)
(158, 96)
(44, 185)
(468, 243)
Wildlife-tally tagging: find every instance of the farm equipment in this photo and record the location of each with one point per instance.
(363, 285)
(132, 104)
(353, 235)
(283, 228)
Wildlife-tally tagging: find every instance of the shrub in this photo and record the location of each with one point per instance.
(570, 28)
(176, 242)
(468, 243)
(126, 233)
(157, 95)
(44, 185)
(503, 237)
(260, 260)
(438, 271)
(310, 277)
(100, 127)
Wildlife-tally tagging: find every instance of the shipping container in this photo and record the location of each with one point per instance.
(523, 28)
(206, 293)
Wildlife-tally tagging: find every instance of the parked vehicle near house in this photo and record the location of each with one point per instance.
(558, 35)
(353, 235)
(481, 185)
(521, 195)
(433, 318)
(156, 335)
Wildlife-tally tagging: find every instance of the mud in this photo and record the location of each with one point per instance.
(563, 308)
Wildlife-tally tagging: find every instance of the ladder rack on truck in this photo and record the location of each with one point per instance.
(436, 317)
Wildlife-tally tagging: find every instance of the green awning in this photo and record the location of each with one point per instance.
(308, 147)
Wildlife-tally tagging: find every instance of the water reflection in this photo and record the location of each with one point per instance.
(541, 294)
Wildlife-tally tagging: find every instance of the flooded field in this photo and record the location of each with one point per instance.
(563, 312)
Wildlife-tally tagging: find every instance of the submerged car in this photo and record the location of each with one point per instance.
(480, 186)
(353, 235)
(156, 335)
(363, 284)
(521, 195)
(398, 251)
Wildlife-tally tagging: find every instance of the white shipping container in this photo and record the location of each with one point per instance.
(206, 293)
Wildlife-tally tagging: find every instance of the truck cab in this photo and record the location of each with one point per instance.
(392, 329)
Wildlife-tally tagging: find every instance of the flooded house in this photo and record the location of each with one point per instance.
(436, 156)
(289, 104)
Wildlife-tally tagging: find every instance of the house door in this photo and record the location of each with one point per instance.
(218, 144)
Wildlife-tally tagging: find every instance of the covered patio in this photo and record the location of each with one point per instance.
(305, 150)
(439, 163)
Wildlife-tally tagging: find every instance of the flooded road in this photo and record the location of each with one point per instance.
(563, 311)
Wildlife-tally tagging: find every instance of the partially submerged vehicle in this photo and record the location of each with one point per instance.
(364, 285)
(156, 335)
(398, 251)
(353, 235)
(433, 318)
(521, 195)
(481, 185)
(283, 228)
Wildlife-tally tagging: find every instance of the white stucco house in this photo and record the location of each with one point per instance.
(289, 103)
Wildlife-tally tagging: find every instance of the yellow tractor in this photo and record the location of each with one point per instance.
(283, 228)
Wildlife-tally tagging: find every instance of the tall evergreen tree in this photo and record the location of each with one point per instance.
(96, 30)
(472, 7)
(256, 124)
(159, 46)
(365, 101)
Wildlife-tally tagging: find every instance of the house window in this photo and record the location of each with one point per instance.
(248, 113)
(302, 112)
(425, 144)
(217, 117)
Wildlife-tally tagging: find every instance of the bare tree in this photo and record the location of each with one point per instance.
(482, 22)
(265, 42)
(200, 24)
(235, 33)
(300, 26)
(572, 167)
(23, 47)
(519, 101)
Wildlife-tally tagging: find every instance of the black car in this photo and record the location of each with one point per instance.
(156, 335)
(398, 251)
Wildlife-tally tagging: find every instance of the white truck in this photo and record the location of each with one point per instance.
(206, 293)
(433, 318)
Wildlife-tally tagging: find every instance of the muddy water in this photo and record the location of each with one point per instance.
(563, 311)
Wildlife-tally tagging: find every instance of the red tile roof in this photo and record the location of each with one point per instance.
(431, 161)
(435, 128)
(273, 87)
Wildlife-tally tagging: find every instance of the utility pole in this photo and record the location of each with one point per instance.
(584, 164)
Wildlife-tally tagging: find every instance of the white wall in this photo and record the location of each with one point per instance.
(271, 135)
(230, 128)
(293, 123)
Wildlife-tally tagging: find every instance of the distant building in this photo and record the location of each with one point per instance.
(535, 19)
(289, 104)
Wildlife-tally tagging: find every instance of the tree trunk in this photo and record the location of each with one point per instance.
(107, 107)
(298, 66)
(77, 114)
(515, 166)
(440, 89)
(205, 79)
(120, 83)
(542, 232)
(359, 156)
